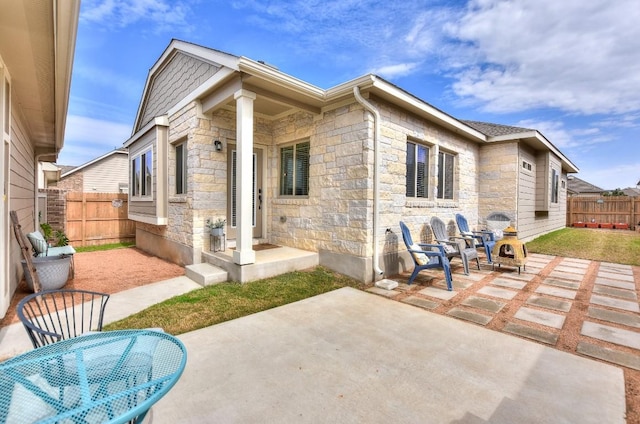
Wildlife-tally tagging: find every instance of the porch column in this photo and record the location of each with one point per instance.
(244, 253)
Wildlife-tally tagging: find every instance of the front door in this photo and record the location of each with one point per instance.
(258, 194)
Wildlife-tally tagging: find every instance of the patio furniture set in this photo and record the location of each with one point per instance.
(499, 243)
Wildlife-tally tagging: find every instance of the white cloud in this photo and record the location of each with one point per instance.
(88, 138)
(164, 15)
(577, 56)
(396, 70)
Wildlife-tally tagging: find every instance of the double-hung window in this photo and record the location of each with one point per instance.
(294, 170)
(446, 173)
(141, 175)
(181, 168)
(554, 186)
(417, 170)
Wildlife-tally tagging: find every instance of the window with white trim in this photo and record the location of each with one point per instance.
(181, 168)
(554, 186)
(446, 171)
(142, 175)
(294, 170)
(417, 179)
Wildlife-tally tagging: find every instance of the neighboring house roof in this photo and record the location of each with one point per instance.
(72, 170)
(630, 191)
(577, 186)
(65, 168)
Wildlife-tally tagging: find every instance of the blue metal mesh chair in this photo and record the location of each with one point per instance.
(53, 315)
(426, 256)
(484, 239)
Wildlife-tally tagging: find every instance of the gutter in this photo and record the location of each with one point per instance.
(376, 174)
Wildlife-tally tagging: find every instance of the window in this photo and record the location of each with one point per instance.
(181, 168)
(554, 186)
(526, 165)
(417, 170)
(141, 177)
(294, 170)
(445, 175)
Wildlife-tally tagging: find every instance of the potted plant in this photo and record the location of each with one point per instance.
(216, 227)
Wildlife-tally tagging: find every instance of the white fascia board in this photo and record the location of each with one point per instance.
(271, 74)
(91, 162)
(542, 140)
(154, 220)
(158, 121)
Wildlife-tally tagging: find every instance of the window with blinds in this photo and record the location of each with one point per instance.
(294, 170)
(417, 179)
(446, 173)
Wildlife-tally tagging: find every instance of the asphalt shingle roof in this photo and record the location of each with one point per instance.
(494, 130)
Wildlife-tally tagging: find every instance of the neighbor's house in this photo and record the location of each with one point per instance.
(37, 43)
(580, 188)
(328, 171)
(108, 173)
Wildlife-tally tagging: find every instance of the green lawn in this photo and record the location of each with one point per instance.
(617, 246)
(214, 304)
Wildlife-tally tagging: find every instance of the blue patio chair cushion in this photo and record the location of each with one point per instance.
(38, 242)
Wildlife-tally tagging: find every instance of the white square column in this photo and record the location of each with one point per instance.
(244, 253)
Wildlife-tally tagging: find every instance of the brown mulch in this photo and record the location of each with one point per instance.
(108, 271)
(568, 337)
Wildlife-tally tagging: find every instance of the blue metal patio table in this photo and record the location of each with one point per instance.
(103, 377)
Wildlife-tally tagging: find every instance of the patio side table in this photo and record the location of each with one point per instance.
(113, 376)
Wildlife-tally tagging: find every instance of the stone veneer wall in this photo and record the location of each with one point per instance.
(499, 173)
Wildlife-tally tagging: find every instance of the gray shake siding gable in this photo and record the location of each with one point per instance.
(196, 100)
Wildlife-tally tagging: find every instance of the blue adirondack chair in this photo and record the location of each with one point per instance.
(426, 256)
(483, 239)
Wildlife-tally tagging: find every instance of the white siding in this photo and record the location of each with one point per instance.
(106, 175)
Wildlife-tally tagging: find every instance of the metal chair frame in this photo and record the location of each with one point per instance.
(53, 315)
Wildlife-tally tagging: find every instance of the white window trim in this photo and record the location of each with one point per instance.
(146, 197)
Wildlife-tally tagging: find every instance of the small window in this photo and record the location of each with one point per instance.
(417, 180)
(141, 175)
(445, 175)
(181, 168)
(554, 186)
(526, 165)
(294, 170)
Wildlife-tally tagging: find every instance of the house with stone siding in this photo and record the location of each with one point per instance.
(325, 171)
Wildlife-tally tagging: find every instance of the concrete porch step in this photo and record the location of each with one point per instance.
(206, 274)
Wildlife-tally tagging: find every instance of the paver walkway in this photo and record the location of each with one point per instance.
(585, 307)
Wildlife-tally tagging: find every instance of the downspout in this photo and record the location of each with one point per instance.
(376, 174)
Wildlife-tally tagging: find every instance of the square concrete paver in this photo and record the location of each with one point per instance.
(566, 275)
(611, 334)
(531, 333)
(612, 291)
(562, 283)
(540, 317)
(616, 276)
(616, 283)
(351, 357)
(556, 291)
(420, 302)
(498, 292)
(438, 293)
(509, 283)
(383, 292)
(489, 305)
(611, 302)
(624, 318)
(610, 355)
(468, 315)
(549, 303)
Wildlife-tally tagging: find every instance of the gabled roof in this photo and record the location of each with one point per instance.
(72, 170)
(632, 192)
(530, 136)
(578, 186)
(278, 93)
(494, 130)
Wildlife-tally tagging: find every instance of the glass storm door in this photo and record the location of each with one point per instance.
(257, 194)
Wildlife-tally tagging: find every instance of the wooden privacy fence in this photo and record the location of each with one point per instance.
(604, 212)
(98, 218)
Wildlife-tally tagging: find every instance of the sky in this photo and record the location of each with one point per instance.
(570, 68)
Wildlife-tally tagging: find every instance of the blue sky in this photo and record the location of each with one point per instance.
(569, 68)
